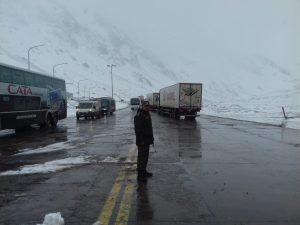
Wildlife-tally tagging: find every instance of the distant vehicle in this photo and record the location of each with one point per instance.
(28, 98)
(88, 109)
(153, 99)
(108, 105)
(134, 103)
(141, 97)
(182, 99)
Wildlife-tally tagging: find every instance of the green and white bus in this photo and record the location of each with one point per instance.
(28, 98)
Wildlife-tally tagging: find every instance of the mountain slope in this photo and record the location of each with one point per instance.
(86, 49)
(235, 82)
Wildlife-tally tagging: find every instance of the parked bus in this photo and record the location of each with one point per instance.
(28, 98)
(135, 103)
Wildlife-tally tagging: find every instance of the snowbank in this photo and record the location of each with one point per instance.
(53, 219)
(267, 109)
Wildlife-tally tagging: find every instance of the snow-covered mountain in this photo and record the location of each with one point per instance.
(237, 82)
(87, 48)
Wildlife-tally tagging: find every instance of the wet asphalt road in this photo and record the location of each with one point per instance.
(208, 171)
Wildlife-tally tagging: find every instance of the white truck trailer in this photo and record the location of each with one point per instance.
(153, 99)
(182, 99)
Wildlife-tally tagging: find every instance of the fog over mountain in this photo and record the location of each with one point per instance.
(246, 53)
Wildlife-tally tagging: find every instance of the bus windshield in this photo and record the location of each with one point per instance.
(104, 103)
(134, 101)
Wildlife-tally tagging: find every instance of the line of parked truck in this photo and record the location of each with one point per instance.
(95, 108)
(181, 99)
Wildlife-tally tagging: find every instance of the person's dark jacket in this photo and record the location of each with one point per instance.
(143, 128)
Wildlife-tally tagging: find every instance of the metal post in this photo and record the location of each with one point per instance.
(112, 84)
(28, 53)
(54, 66)
(285, 117)
(78, 87)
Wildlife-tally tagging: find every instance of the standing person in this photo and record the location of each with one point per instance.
(144, 138)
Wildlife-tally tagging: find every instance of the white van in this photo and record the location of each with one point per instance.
(87, 109)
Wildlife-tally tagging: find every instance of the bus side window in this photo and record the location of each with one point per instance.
(32, 103)
(18, 77)
(19, 103)
(50, 83)
(40, 82)
(5, 75)
(30, 80)
(6, 103)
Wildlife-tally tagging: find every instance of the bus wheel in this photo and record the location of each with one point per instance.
(54, 121)
(48, 122)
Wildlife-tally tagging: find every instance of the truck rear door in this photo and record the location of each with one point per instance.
(190, 95)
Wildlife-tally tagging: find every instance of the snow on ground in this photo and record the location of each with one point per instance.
(266, 109)
(49, 148)
(51, 166)
(53, 219)
(110, 159)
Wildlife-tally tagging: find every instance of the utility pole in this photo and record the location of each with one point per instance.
(112, 84)
(28, 53)
(78, 86)
(54, 66)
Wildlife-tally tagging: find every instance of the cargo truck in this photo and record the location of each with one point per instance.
(182, 99)
(153, 99)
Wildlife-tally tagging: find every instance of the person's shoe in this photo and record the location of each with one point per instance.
(148, 174)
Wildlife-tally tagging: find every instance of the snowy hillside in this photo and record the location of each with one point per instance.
(87, 48)
(249, 66)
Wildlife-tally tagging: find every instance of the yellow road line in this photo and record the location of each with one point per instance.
(125, 205)
(110, 203)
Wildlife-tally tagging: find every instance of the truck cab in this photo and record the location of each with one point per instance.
(88, 109)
